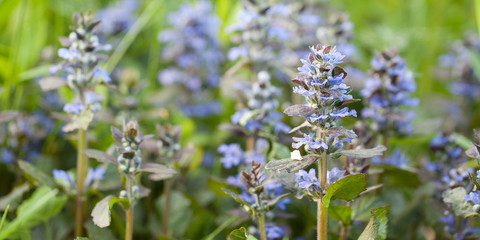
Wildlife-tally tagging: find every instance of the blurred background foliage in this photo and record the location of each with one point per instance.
(421, 30)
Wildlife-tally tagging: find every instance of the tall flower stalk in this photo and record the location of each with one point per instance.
(81, 57)
(129, 165)
(320, 81)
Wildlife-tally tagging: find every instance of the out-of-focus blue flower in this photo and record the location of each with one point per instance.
(455, 176)
(74, 108)
(7, 156)
(473, 197)
(308, 180)
(396, 159)
(202, 110)
(432, 166)
(274, 232)
(439, 141)
(235, 181)
(118, 17)
(101, 74)
(388, 91)
(63, 177)
(94, 174)
(233, 155)
(247, 197)
(334, 175)
(451, 227)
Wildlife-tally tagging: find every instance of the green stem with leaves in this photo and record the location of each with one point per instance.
(166, 207)
(321, 209)
(82, 166)
(261, 218)
(129, 212)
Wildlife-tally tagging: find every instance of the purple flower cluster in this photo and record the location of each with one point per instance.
(192, 44)
(118, 17)
(67, 178)
(81, 54)
(459, 67)
(261, 97)
(388, 91)
(308, 180)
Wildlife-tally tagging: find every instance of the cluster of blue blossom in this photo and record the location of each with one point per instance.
(308, 180)
(449, 159)
(459, 66)
(261, 31)
(388, 90)
(118, 17)
(67, 179)
(233, 155)
(452, 226)
(320, 81)
(23, 137)
(81, 56)
(261, 97)
(192, 43)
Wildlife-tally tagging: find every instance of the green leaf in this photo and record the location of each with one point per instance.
(376, 228)
(291, 165)
(121, 201)
(238, 234)
(341, 213)
(100, 156)
(399, 177)
(4, 217)
(14, 198)
(237, 198)
(346, 188)
(158, 171)
(216, 185)
(82, 238)
(271, 203)
(41, 206)
(362, 153)
(96, 233)
(101, 213)
(37, 174)
(455, 197)
(241, 234)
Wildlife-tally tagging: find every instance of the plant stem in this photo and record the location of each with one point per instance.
(344, 233)
(166, 207)
(82, 166)
(129, 212)
(261, 225)
(321, 209)
(261, 218)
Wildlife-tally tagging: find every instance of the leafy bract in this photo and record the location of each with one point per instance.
(454, 197)
(37, 174)
(346, 188)
(376, 228)
(362, 153)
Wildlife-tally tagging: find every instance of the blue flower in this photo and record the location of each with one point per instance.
(101, 74)
(118, 17)
(473, 197)
(274, 232)
(63, 177)
(334, 175)
(308, 180)
(7, 156)
(309, 141)
(233, 155)
(94, 174)
(74, 108)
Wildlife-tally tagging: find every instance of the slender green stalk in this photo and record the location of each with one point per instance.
(166, 207)
(321, 209)
(261, 218)
(220, 228)
(129, 212)
(82, 166)
(477, 14)
(261, 225)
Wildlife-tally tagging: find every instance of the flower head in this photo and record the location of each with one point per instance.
(308, 180)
